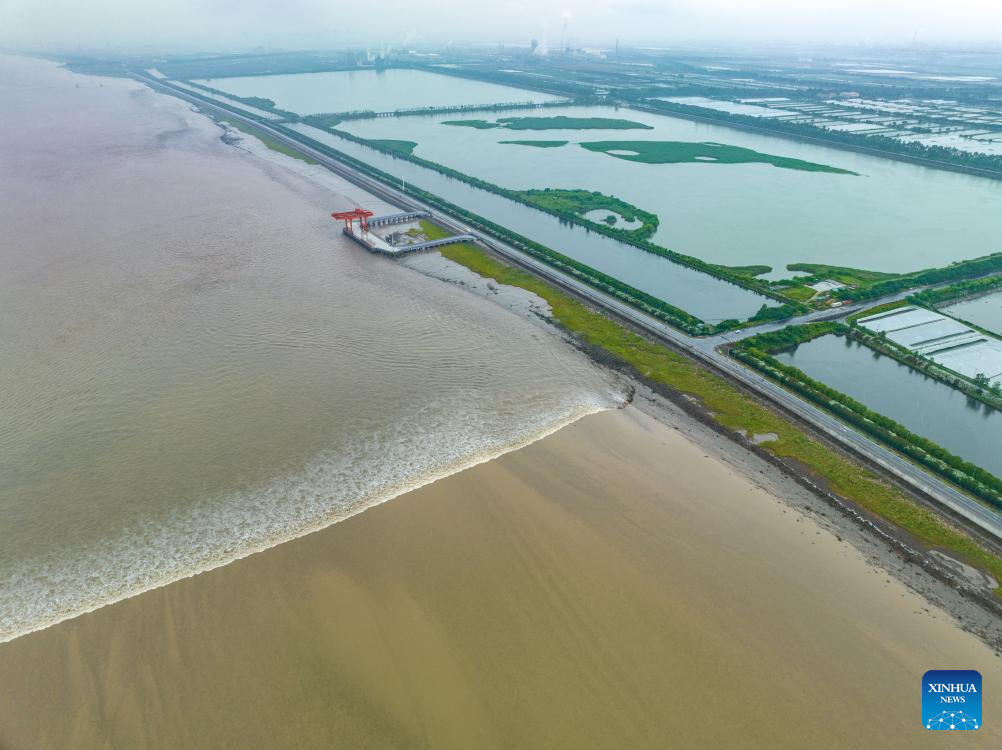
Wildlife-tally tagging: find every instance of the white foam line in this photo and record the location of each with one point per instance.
(356, 509)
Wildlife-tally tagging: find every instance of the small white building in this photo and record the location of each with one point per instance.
(828, 285)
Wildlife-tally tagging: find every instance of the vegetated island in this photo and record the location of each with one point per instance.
(708, 152)
(536, 144)
(574, 204)
(401, 147)
(559, 122)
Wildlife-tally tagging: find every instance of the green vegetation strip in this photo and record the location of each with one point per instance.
(273, 144)
(573, 204)
(756, 352)
(679, 152)
(326, 120)
(736, 411)
(560, 122)
(402, 147)
(958, 291)
(842, 274)
(886, 307)
(966, 269)
(536, 144)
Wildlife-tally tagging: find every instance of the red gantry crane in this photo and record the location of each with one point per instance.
(348, 217)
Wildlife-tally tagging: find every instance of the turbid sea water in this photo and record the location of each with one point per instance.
(194, 364)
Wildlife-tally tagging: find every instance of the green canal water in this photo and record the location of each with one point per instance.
(964, 427)
(983, 311)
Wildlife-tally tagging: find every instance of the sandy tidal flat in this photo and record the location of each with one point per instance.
(613, 585)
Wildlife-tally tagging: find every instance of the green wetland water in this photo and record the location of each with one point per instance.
(890, 216)
(700, 294)
(964, 427)
(985, 311)
(378, 90)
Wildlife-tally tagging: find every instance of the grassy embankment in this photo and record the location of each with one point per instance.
(576, 203)
(536, 144)
(560, 122)
(681, 152)
(272, 143)
(737, 411)
(886, 307)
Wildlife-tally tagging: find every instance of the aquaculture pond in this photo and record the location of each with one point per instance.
(965, 427)
(985, 311)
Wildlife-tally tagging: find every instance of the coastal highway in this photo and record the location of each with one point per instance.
(705, 350)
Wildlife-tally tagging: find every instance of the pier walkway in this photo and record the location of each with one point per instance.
(377, 244)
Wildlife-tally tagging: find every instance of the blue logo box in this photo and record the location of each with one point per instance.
(951, 699)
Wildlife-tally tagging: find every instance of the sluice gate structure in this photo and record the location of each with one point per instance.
(376, 244)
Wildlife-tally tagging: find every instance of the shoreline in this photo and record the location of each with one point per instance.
(934, 569)
(576, 593)
(228, 505)
(358, 507)
(938, 578)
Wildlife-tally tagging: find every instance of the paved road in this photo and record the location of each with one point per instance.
(703, 349)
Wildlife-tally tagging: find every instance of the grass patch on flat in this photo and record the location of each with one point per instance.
(736, 411)
(536, 144)
(683, 152)
(850, 276)
(432, 231)
(271, 143)
(403, 147)
(799, 293)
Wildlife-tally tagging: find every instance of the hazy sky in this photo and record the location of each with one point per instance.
(216, 24)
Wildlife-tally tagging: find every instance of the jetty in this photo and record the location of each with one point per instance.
(392, 244)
